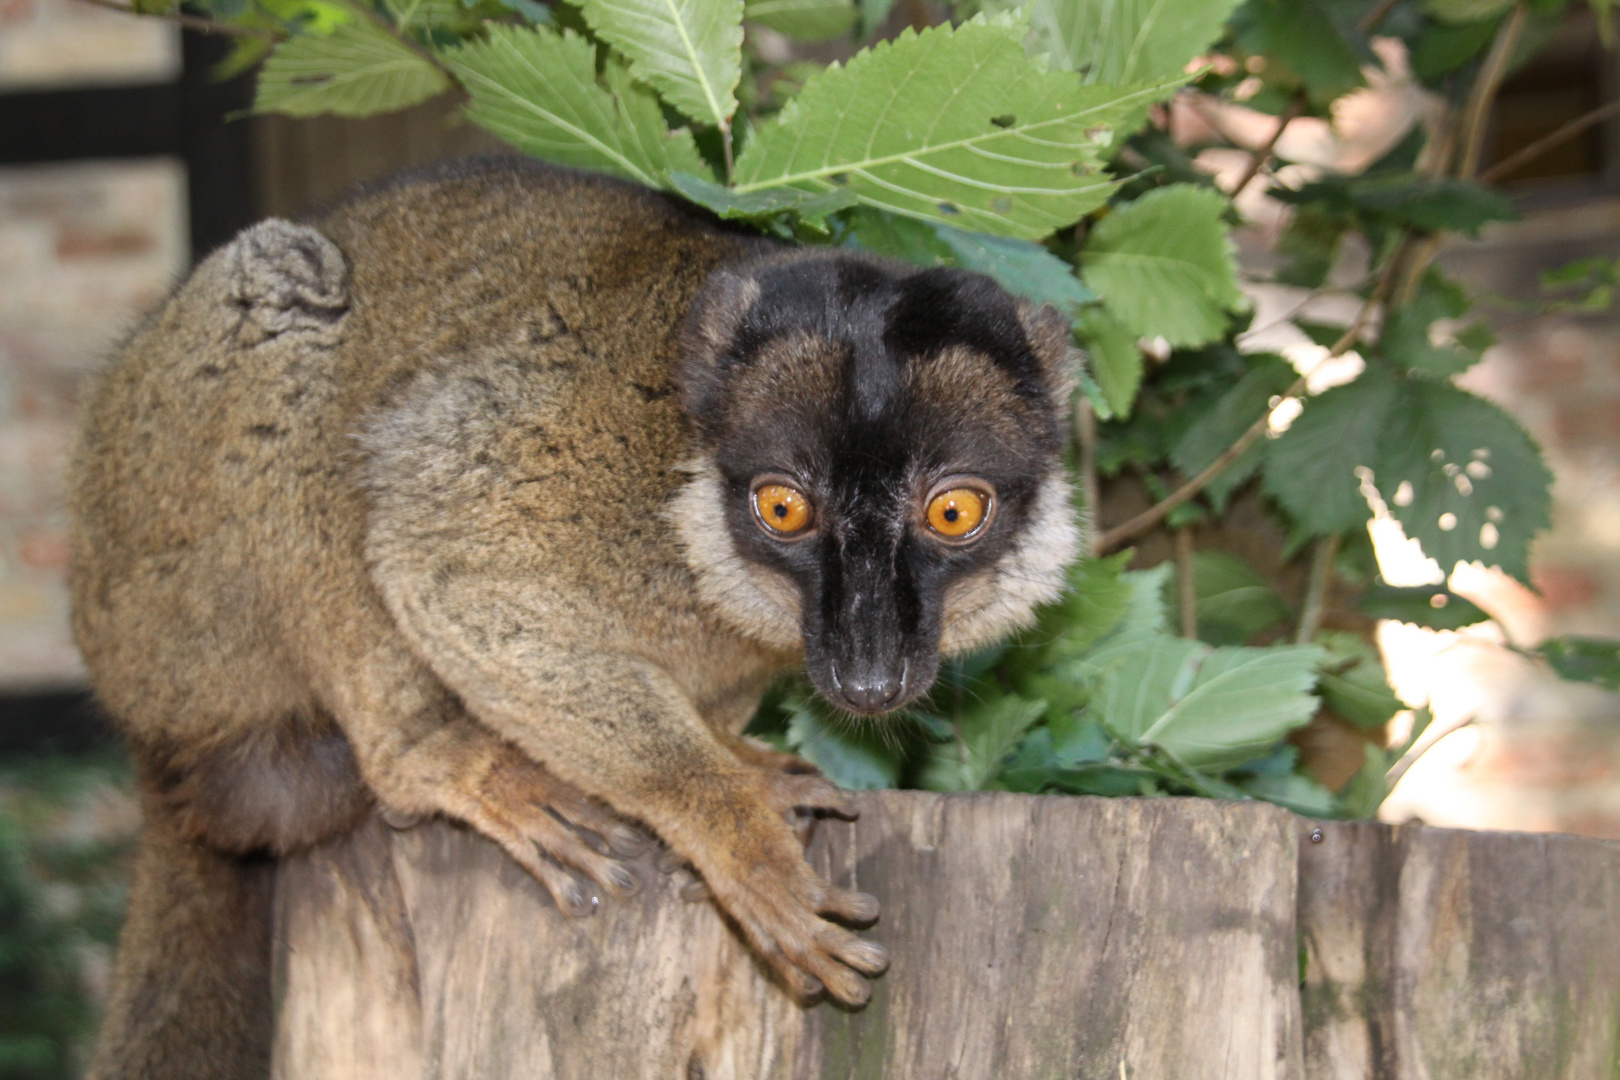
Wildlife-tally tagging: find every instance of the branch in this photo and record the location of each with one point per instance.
(1188, 594)
(1483, 93)
(1150, 517)
(1263, 153)
(1547, 142)
(1316, 591)
(191, 22)
(1369, 22)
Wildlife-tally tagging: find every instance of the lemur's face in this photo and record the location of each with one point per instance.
(881, 478)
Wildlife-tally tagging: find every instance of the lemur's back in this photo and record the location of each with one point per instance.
(215, 495)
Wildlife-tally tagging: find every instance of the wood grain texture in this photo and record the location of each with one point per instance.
(1032, 937)
(1448, 955)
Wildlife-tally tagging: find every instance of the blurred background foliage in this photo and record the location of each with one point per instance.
(1062, 147)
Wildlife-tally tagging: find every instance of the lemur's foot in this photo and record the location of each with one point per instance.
(547, 826)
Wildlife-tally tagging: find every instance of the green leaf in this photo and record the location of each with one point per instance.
(1311, 468)
(804, 20)
(1467, 11)
(1301, 35)
(359, 70)
(1409, 335)
(760, 207)
(537, 89)
(1208, 437)
(1116, 361)
(1478, 488)
(1233, 602)
(1457, 205)
(1295, 792)
(1440, 50)
(985, 736)
(1310, 246)
(1352, 682)
(1367, 790)
(1119, 41)
(1097, 599)
(1432, 606)
(1165, 265)
(1021, 267)
(690, 51)
(853, 754)
(954, 125)
(1211, 708)
(1584, 659)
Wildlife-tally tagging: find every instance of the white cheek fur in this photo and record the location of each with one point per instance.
(758, 601)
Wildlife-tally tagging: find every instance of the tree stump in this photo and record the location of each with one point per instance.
(1032, 937)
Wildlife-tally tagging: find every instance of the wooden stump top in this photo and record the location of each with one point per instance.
(1032, 937)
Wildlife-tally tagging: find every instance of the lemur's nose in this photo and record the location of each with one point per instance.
(871, 691)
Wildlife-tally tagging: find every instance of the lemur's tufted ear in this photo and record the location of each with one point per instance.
(1049, 338)
(286, 278)
(708, 338)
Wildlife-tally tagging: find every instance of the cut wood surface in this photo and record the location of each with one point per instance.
(1031, 937)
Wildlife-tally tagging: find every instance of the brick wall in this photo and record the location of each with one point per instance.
(84, 250)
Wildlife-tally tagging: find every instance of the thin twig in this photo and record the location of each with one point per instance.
(1369, 22)
(1547, 142)
(725, 145)
(1483, 92)
(1150, 517)
(191, 22)
(1188, 586)
(1262, 154)
(1317, 588)
(1085, 434)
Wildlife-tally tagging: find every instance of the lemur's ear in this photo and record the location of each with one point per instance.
(1049, 338)
(286, 278)
(708, 339)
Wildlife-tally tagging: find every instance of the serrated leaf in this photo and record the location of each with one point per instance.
(760, 206)
(854, 757)
(1301, 35)
(1457, 205)
(1098, 596)
(984, 737)
(1433, 606)
(1408, 336)
(1467, 11)
(358, 70)
(1233, 601)
(690, 51)
(1584, 659)
(1118, 41)
(1478, 487)
(1352, 682)
(1309, 246)
(954, 125)
(1116, 360)
(1211, 708)
(1021, 267)
(537, 89)
(1165, 266)
(804, 20)
(1311, 468)
(1207, 437)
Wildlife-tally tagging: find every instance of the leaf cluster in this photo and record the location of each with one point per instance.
(1031, 142)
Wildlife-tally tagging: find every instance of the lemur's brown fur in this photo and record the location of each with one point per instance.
(374, 511)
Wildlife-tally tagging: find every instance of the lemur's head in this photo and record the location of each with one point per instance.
(879, 477)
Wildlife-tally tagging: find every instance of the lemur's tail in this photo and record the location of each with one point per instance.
(191, 986)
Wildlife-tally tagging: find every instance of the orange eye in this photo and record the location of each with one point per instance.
(782, 510)
(958, 512)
